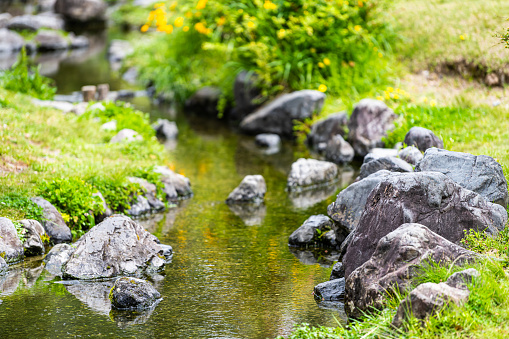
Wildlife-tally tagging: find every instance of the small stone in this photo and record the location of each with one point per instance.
(338, 271)
(309, 173)
(463, 278)
(390, 164)
(126, 135)
(251, 189)
(311, 231)
(109, 126)
(268, 140)
(339, 151)
(422, 138)
(332, 290)
(411, 154)
(166, 129)
(133, 294)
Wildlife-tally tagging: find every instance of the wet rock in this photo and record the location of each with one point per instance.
(268, 140)
(338, 271)
(427, 198)
(11, 248)
(35, 22)
(166, 129)
(426, 300)
(204, 101)
(117, 246)
(336, 306)
(332, 290)
(33, 244)
(132, 293)
(339, 151)
(481, 174)
(251, 189)
(369, 123)
(118, 51)
(422, 138)
(410, 154)
(57, 257)
(53, 223)
(311, 231)
(247, 95)
(176, 186)
(463, 278)
(394, 263)
(79, 41)
(10, 280)
(50, 41)
(167, 252)
(126, 135)
(148, 202)
(390, 164)
(10, 42)
(81, 10)
(278, 116)
(309, 173)
(350, 203)
(251, 214)
(325, 129)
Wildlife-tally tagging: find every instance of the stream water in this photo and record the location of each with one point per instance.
(233, 274)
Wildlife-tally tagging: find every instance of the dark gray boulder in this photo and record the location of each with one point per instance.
(82, 11)
(57, 257)
(278, 116)
(176, 186)
(10, 42)
(422, 138)
(11, 248)
(166, 129)
(427, 300)
(394, 263)
(332, 290)
(427, 198)
(311, 232)
(325, 129)
(410, 154)
(33, 244)
(481, 174)
(346, 211)
(339, 151)
(268, 140)
(369, 123)
(390, 164)
(53, 223)
(463, 278)
(117, 246)
(251, 189)
(132, 294)
(148, 202)
(204, 101)
(247, 95)
(338, 271)
(309, 173)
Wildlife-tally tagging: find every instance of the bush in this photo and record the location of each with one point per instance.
(119, 193)
(24, 78)
(17, 207)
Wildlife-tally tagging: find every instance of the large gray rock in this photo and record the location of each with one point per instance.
(166, 129)
(117, 246)
(369, 123)
(33, 244)
(247, 95)
(427, 300)
(81, 10)
(390, 164)
(309, 173)
(481, 174)
(410, 154)
(11, 248)
(325, 129)
(57, 257)
(310, 233)
(133, 294)
(332, 290)
(10, 42)
(278, 116)
(51, 41)
(394, 263)
(53, 223)
(427, 198)
(176, 186)
(339, 151)
(251, 189)
(346, 211)
(422, 138)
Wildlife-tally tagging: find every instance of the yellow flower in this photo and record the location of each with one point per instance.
(381, 98)
(250, 24)
(201, 4)
(221, 21)
(173, 6)
(321, 65)
(188, 15)
(462, 37)
(390, 89)
(179, 21)
(185, 28)
(357, 28)
(322, 88)
(326, 61)
(433, 103)
(159, 4)
(240, 11)
(380, 55)
(200, 27)
(269, 5)
(281, 33)
(197, 14)
(144, 28)
(360, 3)
(396, 97)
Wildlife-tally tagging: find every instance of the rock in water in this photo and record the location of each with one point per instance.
(51, 41)
(311, 231)
(57, 257)
(251, 189)
(133, 294)
(11, 248)
(10, 42)
(309, 173)
(268, 140)
(166, 129)
(148, 202)
(481, 174)
(117, 246)
(393, 265)
(33, 244)
(53, 223)
(176, 186)
(81, 10)
(346, 211)
(369, 123)
(339, 151)
(324, 130)
(332, 290)
(390, 164)
(410, 154)
(427, 198)
(338, 271)
(277, 116)
(422, 138)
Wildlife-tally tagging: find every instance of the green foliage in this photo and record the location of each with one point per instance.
(24, 78)
(74, 198)
(481, 242)
(118, 192)
(155, 178)
(20, 231)
(17, 207)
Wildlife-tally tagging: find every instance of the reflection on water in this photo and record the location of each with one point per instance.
(251, 214)
(323, 257)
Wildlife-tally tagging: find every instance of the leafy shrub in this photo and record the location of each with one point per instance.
(152, 177)
(19, 207)
(74, 198)
(119, 193)
(20, 231)
(24, 78)
(481, 242)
